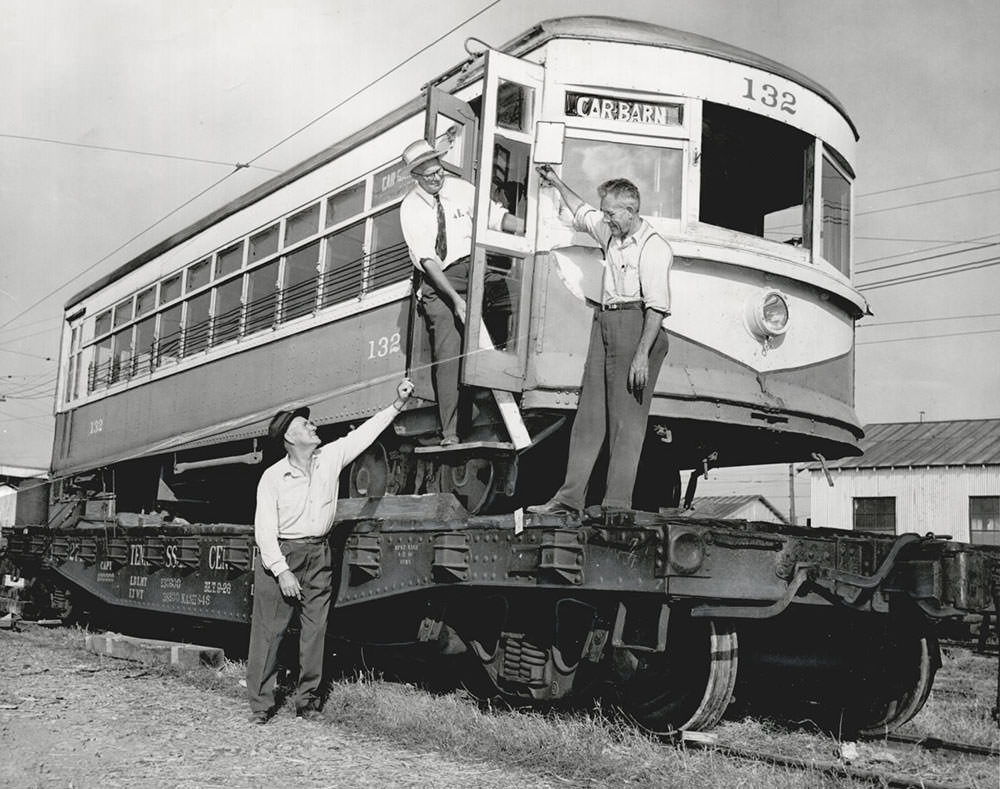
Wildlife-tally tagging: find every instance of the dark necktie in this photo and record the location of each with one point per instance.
(441, 242)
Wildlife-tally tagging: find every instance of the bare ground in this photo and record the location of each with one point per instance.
(72, 719)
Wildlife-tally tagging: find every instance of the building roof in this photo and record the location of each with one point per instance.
(722, 507)
(23, 472)
(967, 442)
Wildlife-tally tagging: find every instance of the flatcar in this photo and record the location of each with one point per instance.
(300, 292)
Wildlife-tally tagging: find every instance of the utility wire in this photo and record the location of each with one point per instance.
(928, 202)
(926, 249)
(930, 320)
(975, 264)
(929, 257)
(361, 90)
(926, 183)
(928, 336)
(236, 165)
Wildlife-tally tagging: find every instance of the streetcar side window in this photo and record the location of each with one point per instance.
(343, 265)
(390, 260)
(298, 295)
(168, 342)
(345, 204)
(229, 260)
(144, 345)
(836, 202)
(263, 244)
(197, 323)
(302, 225)
(753, 174)
(262, 297)
(228, 306)
(100, 371)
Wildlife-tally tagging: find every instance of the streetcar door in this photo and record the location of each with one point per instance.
(496, 332)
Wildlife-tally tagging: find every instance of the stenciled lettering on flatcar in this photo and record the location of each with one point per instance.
(583, 105)
(383, 346)
(171, 559)
(137, 555)
(768, 96)
(216, 557)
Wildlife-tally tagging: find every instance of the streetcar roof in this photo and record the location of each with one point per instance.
(596, 28)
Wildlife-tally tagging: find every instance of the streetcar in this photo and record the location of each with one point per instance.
(301, 292)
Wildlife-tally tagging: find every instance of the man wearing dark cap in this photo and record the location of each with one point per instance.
(296, 505)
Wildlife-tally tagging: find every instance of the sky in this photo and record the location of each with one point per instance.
(185, 89)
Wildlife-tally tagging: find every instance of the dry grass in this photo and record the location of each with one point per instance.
(596, 749)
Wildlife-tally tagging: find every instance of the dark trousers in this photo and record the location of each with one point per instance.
(446, 344)
(608, 409)
(310, 562)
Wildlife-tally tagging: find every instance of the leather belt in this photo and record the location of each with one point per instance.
(622, 305)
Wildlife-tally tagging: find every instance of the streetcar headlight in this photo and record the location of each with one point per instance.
(767, 314)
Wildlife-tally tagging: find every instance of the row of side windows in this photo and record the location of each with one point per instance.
(245, 289)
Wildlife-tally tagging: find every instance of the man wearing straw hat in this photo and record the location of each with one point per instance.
(296, 505)
(436, 219)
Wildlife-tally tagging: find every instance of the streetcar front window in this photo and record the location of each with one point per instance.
(836, 194)
(657, 172)
(753, 174)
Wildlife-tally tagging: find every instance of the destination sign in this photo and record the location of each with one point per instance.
(584, 105)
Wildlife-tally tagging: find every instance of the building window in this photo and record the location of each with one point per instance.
(876, 513)
(984, 520)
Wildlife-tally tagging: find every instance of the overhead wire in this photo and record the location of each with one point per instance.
(240, 166)
(237, 165)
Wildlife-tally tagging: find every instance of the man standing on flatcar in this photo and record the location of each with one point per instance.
(436, 220)
(296, 505)
(627, 344)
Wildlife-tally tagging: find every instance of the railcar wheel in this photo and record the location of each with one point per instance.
(900, 691)
(689, 686)
(370, 473)
(472, 482)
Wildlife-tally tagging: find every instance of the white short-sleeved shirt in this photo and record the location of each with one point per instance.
(636, 267)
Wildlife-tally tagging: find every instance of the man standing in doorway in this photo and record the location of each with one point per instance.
(627, 344)
(296, 505)
(436, 219)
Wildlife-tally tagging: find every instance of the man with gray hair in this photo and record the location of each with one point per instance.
(627, 344)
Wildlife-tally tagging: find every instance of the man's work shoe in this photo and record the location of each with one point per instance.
(309, 713)
(553, 507)
(260, 718)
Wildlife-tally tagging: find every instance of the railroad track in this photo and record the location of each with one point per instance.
(841, 768)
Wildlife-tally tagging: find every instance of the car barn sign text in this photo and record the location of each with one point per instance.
(583, 105)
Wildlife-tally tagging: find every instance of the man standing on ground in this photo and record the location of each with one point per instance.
(436, 220)
(296, 505)
(627, 344)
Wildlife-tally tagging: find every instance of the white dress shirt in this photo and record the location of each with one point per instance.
(292, 504)
(418, 220)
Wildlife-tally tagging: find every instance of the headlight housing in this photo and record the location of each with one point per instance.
(767, 314)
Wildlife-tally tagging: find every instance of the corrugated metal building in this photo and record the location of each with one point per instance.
(941, 477)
